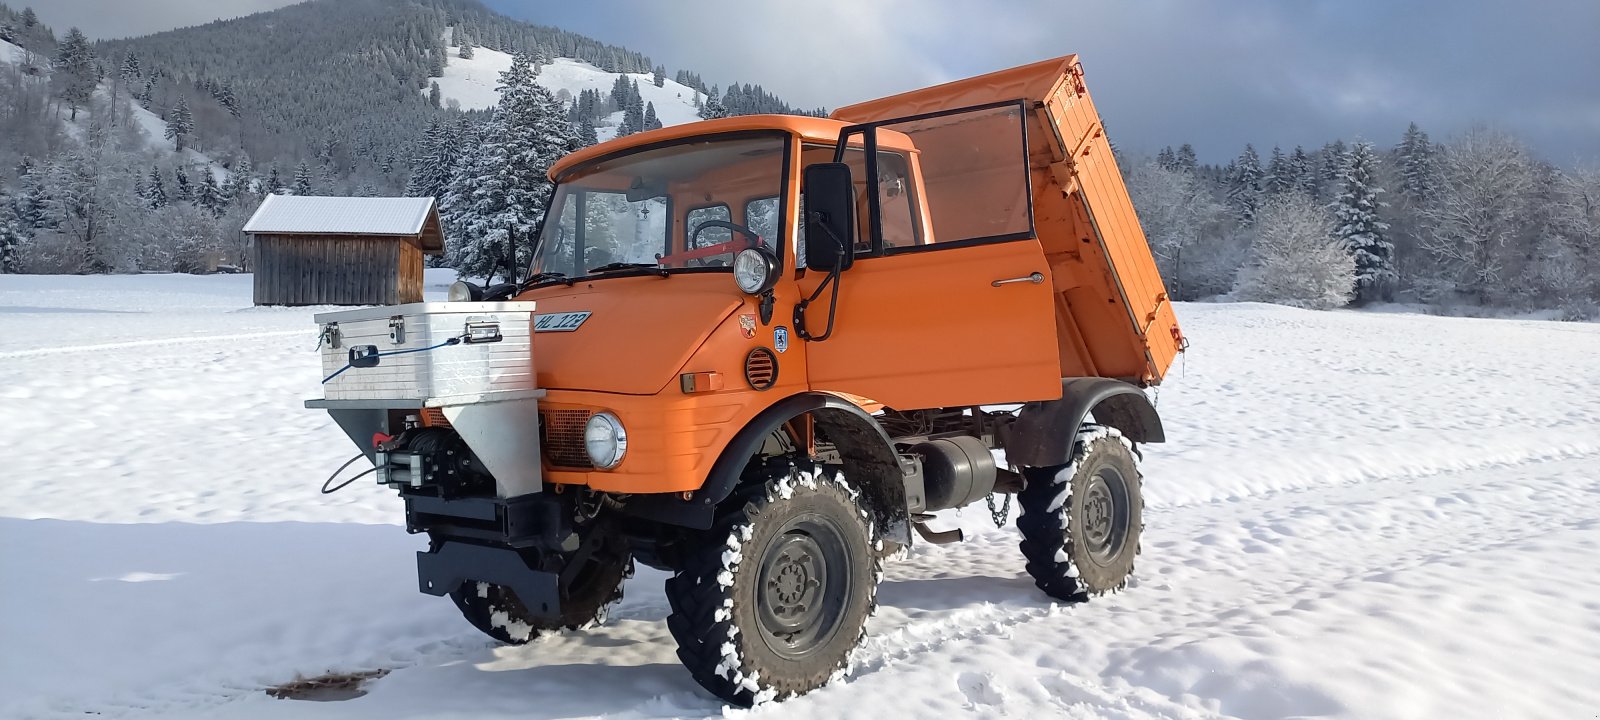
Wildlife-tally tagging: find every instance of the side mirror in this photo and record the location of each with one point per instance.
(830, 216)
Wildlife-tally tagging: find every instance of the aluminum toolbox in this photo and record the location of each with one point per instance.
(408, 370)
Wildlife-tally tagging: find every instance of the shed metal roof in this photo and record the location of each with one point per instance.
(317, 215)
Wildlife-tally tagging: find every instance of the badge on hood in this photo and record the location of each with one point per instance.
(747, 325)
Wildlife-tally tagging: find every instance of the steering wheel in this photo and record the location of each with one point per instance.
(753, 239)
(750, 240)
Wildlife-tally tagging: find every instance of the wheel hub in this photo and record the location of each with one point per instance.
(802, 587)
(794, 581)
(1105, 515)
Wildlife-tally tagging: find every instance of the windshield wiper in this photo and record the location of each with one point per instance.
(537, 278)
(610, 267)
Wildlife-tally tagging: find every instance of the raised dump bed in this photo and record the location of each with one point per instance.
(1113, 316)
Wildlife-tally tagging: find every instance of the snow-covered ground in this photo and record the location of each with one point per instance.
(1357, 515)
(471, 83)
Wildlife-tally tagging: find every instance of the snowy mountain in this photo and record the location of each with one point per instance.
(469, 83)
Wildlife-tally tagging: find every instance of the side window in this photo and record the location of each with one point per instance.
(897, 198)
(710, 236)
(973, 167)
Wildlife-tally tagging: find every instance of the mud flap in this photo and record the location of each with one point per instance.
(454, 563)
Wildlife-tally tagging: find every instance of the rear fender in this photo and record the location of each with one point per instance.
(1044, 432)
(871, 465)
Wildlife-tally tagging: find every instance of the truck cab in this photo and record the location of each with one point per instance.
(769, 349)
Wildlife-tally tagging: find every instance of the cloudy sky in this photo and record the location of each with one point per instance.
(1217, 73)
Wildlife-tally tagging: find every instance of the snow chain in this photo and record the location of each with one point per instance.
(1002, 514)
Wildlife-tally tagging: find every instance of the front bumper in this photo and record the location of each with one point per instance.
(454, 563)
(500, 541)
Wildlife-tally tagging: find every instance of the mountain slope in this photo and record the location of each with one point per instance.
(469, 83)
(343, 84)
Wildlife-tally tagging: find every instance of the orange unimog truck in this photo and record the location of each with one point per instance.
(761, 353)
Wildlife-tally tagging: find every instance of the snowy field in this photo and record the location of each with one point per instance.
(1358, 516)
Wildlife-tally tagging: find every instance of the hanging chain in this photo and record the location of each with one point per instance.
(999, 515)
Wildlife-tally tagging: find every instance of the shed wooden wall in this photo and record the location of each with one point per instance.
(336, 270)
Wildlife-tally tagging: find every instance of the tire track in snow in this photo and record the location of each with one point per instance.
(36, 352)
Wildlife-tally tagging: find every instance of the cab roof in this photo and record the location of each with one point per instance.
(808, 128)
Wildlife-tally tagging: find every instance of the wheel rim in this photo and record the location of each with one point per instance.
(1105, 516)
(803, 587)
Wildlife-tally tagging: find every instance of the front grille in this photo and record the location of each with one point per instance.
(563, 438)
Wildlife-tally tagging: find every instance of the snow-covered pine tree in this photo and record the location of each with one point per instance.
(210, 195)
(1294, 257)
(435, 96)
(179, 124)
(651, 122)
(1305, 179)
(302, 179)
(1330, 166)
(154, 190)
(1279, 178)
(660, 77)
(619, 92)
(1244, 186)
(183, 190)
(1355, 213)
(33, 207)
(1166, 159)
(1415, 154)
(129, 72)
(12, 237)
(713, 108)
(635, 109)
(586, 133)
(1186, 158)
(147, 95)
(503, 184)
(274, 182)
(74, 71)
(240, 180)
(466, 47)
(227, 99)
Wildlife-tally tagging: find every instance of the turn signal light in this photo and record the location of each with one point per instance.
(700, 382)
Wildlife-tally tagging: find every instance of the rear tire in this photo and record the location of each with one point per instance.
(1082, 522)
(772, 600)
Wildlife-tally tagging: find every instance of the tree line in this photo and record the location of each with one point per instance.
(1474, 222)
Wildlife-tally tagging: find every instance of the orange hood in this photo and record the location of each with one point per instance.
(640, 333)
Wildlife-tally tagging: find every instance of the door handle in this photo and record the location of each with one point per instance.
(1035, 278)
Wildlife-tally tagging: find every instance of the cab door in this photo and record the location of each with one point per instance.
(949, 300)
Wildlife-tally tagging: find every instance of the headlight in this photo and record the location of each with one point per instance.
(463, 291)
(755, 271)
(605, 440)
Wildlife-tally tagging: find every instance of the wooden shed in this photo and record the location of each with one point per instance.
(342, 250)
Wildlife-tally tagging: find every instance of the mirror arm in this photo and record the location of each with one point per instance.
(833, 279)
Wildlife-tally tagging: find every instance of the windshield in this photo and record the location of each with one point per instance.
(670, 207)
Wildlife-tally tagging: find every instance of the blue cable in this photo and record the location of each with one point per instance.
(347, 366)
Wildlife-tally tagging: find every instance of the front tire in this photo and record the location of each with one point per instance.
(772, 600)
(1082, 522)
